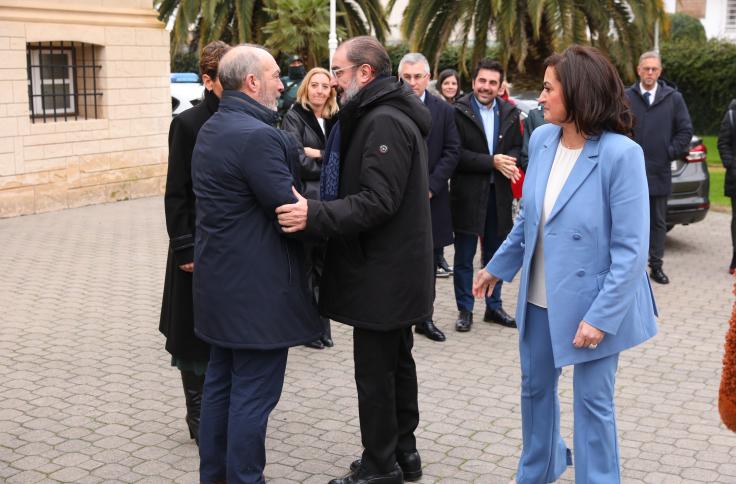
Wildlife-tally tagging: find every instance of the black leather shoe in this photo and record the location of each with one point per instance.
(361, 476)
(464, 321)
(410, 463)
(441, 273)
(442, 264)
(327, 341)
(499, 316)
(659, 276)
(316, 344)
(429, 330)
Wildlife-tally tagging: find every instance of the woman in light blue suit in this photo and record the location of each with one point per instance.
(581, 240)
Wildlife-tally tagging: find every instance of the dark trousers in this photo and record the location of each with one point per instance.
(733, 230)
(386, 377)
(465, 247)
(241, 389)
(657, 230)
(315, 264)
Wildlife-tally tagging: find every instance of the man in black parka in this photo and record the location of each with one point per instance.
(663, 129)
(727, 150)
(480, 189)
(251, 299)
(378, 269)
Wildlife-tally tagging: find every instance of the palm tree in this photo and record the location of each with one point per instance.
(197, 22)
(529, 30)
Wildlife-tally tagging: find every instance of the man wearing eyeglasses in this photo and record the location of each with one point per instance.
(663, 129)
(443, 146)
(374, 210)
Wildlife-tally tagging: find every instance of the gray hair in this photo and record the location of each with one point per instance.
(240, 62)
(414, 58)
(650, 54)
(368, 50)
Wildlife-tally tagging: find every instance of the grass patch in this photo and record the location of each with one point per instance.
(717, 176)
(711, 144)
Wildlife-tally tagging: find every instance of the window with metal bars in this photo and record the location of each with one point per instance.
(63, 81)
(731, 15)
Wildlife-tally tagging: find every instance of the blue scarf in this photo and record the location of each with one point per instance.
(329, 180)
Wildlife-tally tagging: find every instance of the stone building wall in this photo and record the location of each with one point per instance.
(117, 154)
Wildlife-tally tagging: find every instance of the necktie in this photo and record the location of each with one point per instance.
(648, 97)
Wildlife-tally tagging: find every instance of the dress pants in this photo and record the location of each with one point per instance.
(465, 247)
(241, 389)
(545, 456)
(657, 230)
(386, 377)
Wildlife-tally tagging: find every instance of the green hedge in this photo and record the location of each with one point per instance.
(705, 73)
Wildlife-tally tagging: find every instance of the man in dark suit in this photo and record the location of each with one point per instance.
(443, 146)
(663, 129)
(480, 189)
(242, 169)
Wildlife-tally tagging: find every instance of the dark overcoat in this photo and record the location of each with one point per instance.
(177, 316)
(250, 283)
(727, 149)
(663, 130)
(378, 268)
(302, 123)
(469, 186)
(443, 147)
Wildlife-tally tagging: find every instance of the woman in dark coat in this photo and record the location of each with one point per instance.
(310, 119)
(448, 85)
(188, 353)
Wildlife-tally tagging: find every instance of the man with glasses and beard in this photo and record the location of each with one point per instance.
(242, 169)
(374, 210)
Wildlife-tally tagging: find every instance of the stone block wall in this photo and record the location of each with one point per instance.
(121, 154)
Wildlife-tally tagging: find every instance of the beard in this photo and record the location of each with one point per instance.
(349, 92)
(270, 101)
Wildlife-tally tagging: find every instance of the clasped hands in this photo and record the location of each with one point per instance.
(587, 336)
(293, 216)
(507, 166)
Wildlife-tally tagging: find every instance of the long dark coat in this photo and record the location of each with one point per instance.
(177, 316)
(250, 283)
(443, 147)
(727, 149)
(663, 130)
(469, 186)
(378, 269)
(302, 123)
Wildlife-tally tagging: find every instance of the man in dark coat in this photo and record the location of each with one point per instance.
(188, 353)
(663, 130)
(375, 211)
(727, 150)
(533, 120)
(251, 298)
(480, 189)
(443, 146)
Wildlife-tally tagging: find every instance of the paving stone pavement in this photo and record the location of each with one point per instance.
(87, 394)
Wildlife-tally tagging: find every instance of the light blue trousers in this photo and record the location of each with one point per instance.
(545, 456)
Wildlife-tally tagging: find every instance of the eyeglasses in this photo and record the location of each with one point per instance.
(416, 77)
(650, 69)
(338, 72)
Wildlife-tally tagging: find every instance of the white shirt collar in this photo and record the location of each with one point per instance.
(652, 91)
(423, 96)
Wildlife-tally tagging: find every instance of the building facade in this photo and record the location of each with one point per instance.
(717, 16)
(85, 103)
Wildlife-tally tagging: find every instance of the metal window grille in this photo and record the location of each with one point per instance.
(63, 81)
(731, 15)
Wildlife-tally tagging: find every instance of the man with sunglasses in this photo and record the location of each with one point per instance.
(663, 129)
(374, 211)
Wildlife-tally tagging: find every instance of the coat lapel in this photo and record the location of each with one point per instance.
(587, 160)
(544, 160)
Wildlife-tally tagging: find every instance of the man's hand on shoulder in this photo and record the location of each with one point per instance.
(293, 216)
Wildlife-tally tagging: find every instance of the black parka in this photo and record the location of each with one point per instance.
(727, 149)
(378, 269)
(177, 317)
(250, 282)
(469, 186)
(302, 123)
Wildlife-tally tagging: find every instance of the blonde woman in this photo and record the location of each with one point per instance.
(310, 119)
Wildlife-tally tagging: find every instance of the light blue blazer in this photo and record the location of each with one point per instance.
(596, 241)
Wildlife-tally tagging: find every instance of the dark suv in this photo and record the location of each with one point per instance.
(689, 202)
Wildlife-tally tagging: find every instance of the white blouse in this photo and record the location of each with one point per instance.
(563, 164)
